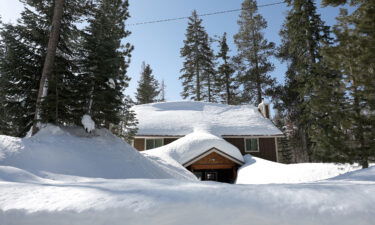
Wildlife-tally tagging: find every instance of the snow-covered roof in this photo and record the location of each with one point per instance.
(182, 118)
(193, 145)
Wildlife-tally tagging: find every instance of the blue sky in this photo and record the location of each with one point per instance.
(159, 44)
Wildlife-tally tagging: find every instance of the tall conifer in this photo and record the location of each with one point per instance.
(198, 73)
(254, 52)
(353, 54)
(105, 63)
(312, 94)
(26, 44)
(148, 86)
(225, 80)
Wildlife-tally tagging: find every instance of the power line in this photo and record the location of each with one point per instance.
(201, 15)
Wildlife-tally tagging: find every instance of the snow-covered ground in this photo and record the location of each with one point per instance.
(68, 177)
(260, 171)
(345, 200)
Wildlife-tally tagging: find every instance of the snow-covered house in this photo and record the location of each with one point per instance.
(208, 139)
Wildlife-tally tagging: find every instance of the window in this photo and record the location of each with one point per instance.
(251, 145)
(154, 143)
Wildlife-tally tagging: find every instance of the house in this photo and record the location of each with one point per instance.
(208, 139)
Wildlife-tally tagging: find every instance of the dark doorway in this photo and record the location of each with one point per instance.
(220, 175)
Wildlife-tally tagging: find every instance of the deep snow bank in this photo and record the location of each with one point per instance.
(71, 151)
(261, 171)
(97, 201)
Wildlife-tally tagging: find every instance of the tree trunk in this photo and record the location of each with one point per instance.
(49, 61)
(228, 88)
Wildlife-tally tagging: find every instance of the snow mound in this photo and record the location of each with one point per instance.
(367, 174)
(12, 174)
(261, 171)
(192, 145)
(69, 151)
(170, 202)
(88, 123)
(182, 118)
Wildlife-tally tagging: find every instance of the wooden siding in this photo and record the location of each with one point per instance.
(238, 142)
(139, 144)
(213, 161)
(267, 147)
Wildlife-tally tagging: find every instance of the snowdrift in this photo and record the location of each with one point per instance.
(73, 152)
(97, 201)
(261, 171)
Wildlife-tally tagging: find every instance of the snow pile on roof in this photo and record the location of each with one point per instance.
(182, 118)
(72, 151)
(261, 171)
(192, 145)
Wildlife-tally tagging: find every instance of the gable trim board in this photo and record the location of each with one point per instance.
(204, 154)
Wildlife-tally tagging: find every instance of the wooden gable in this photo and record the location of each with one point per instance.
(213, 159)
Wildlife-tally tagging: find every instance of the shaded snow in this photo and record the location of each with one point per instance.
(192, 145)
(359, 175)
(261, 171)
(182, 118)
(172, 202)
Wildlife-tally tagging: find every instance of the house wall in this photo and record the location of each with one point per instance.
(267, 147)
(139, 144)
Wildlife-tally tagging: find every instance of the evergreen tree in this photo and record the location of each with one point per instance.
(105, 63)
(25, 50)
(48, 65)
(283, 142)
(353, 55)
(253, 54)
(225, 79)
(312, 93)
(198, 73)
(127, 127)
(148, 86)
(162, 91)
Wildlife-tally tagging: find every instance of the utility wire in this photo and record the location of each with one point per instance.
(201, 15)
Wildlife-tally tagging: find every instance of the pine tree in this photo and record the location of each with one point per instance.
(225, 79)
(253, 54)
(105, 62)
(148, 86)
(127, 127)
(283, 142)
(198, 73)
(162, 91)
(353, 54)
(49, 60)
(312, 92)
(26, 44)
